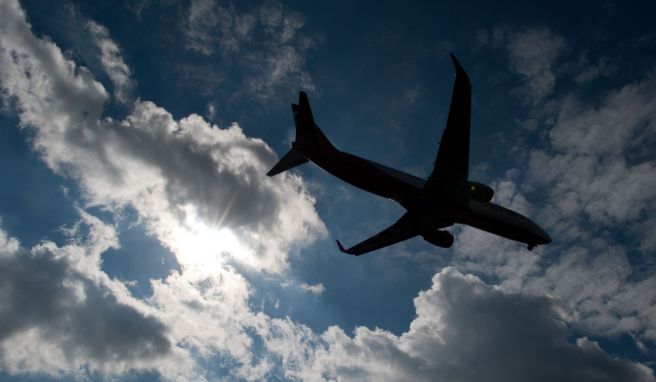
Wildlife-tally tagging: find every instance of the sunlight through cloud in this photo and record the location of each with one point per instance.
(203, 248)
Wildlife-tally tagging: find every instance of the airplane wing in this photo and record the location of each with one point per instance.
(404, 228)
(453, 155)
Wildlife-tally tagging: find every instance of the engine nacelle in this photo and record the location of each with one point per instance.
(440, 238)
(479, 191)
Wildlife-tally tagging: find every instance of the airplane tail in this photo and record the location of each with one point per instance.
(310, 140)
(292, 159)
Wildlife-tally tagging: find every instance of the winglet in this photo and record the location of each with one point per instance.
(460, 71)
(341, 248)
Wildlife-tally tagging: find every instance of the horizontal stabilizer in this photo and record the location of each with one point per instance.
(292, 159)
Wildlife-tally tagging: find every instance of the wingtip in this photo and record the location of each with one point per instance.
(341, 247)
(456, 63)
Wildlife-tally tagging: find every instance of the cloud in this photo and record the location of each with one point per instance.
(199, 189)
(466, 330)
(112, 62)
(202, 17)
(602, 68)
(590, 274)
(533, 53)
(8, 245)
(594, 178)
(599, 181)
(61, 314)
(265, 45)
(316, 289)
(598, 163)
(183, 177)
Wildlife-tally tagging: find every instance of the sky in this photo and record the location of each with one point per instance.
(140, 239)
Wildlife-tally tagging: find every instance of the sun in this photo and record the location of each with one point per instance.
(202, 247)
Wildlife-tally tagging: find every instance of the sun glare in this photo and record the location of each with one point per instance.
(202, 247)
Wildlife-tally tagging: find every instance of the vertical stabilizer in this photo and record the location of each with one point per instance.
(309, 138)
(310, 141)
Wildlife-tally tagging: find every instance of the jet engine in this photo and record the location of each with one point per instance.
(479, 191)
(440, 238)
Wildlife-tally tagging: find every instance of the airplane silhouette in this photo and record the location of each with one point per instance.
(447, 197)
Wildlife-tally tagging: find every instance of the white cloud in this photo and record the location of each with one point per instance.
(266, 44)
(61, 314)
(316, 288)
(465, 330)
(8, 245)
(599, 162)
(589, 274)
(112, 61)
(200, 190)
(211, 112)
(596, 177)
(533, 53)
(176, 174)
(202, 17)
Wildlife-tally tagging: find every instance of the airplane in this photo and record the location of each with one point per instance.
(445, 198)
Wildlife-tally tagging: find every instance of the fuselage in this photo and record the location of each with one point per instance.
(409, 191)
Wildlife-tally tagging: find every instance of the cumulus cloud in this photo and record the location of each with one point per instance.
(598, 162)
(465, 330)
(597, 180)
(199, 189)
(8, 245)
(591, 276)
(598, 177)
(180, 175)
(61, 313)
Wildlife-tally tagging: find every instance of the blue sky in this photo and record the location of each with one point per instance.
(140, 239)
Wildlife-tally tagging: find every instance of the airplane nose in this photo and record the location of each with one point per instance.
(544, 237)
